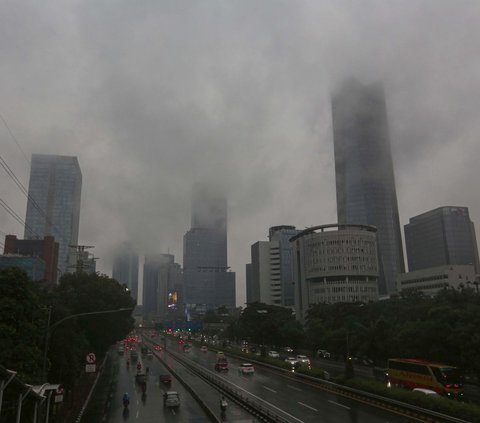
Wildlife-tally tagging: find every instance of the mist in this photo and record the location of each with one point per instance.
(155, 96)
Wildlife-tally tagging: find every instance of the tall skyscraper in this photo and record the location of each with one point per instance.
(365, 182)
(208, 283)
(442, 236)
(125, 267)
(53, 206)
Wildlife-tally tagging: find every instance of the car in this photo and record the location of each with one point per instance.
(165, 378)
(288, 350)
(246, 368)
(157, 347)
(203, 348)
(221, 365)
(303, 359)
(187, 348)
(171, 399)
(427, 392)
(134, 355)
(323, 354)
(291, 360)
(220, 354)
(273, 354)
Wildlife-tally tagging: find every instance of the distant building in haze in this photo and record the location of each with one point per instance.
(272, 268)
(208, 283)
(45, 249)
(443, 236)
(162, 287)
(335, 264)
(125, 267)
(151, 269)
(53, 207)
(365, 182)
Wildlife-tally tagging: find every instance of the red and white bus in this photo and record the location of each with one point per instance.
(413, 373)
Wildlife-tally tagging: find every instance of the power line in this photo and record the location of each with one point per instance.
(12, 213)
(24, 191)
(19, 184)
(14, 138)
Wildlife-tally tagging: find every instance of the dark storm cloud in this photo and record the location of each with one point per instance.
(154, 96)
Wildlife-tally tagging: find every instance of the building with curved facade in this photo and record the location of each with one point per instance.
(335, 263)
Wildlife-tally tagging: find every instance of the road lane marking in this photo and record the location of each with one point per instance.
(269, 403)
(138, 413)
(294, 387)
(270, 389)
(305, 405)
(340, 405)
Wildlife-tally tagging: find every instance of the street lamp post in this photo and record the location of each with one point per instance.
(51, 327)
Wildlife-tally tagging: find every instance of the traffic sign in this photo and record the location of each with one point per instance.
(91, 358)
(90, 368)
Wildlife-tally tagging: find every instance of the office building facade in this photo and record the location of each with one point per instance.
(208, 282)
(432, 280)
(125, 268)
(365, 183)
(335, 263)
(45, 249)
(272, 268)
(33, 266)
(443, 236)
(53, 207)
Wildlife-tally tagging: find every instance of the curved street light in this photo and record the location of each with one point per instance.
(50, 329)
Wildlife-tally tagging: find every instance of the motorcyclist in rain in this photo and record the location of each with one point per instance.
(223, 405)
(126, 399)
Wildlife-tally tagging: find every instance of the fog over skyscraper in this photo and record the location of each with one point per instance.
(365, 182)
(208, 283)
(53, 206)
(125, 267)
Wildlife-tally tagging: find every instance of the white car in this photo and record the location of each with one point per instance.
(303, 359)
(427, 392)
(273, 354)
(246, 368)
(291, 360)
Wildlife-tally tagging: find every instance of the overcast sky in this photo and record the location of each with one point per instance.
(153, 96)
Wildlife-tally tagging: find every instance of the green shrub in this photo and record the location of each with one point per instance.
(469, 412)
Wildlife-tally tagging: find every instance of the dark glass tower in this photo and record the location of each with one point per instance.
(364, 172)
(53, 206)
(440, 237)
(207, 281)
(125, 268)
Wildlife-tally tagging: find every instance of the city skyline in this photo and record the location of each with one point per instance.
(198, 96)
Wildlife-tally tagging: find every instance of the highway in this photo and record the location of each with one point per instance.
(294, 399)
(149, 408)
